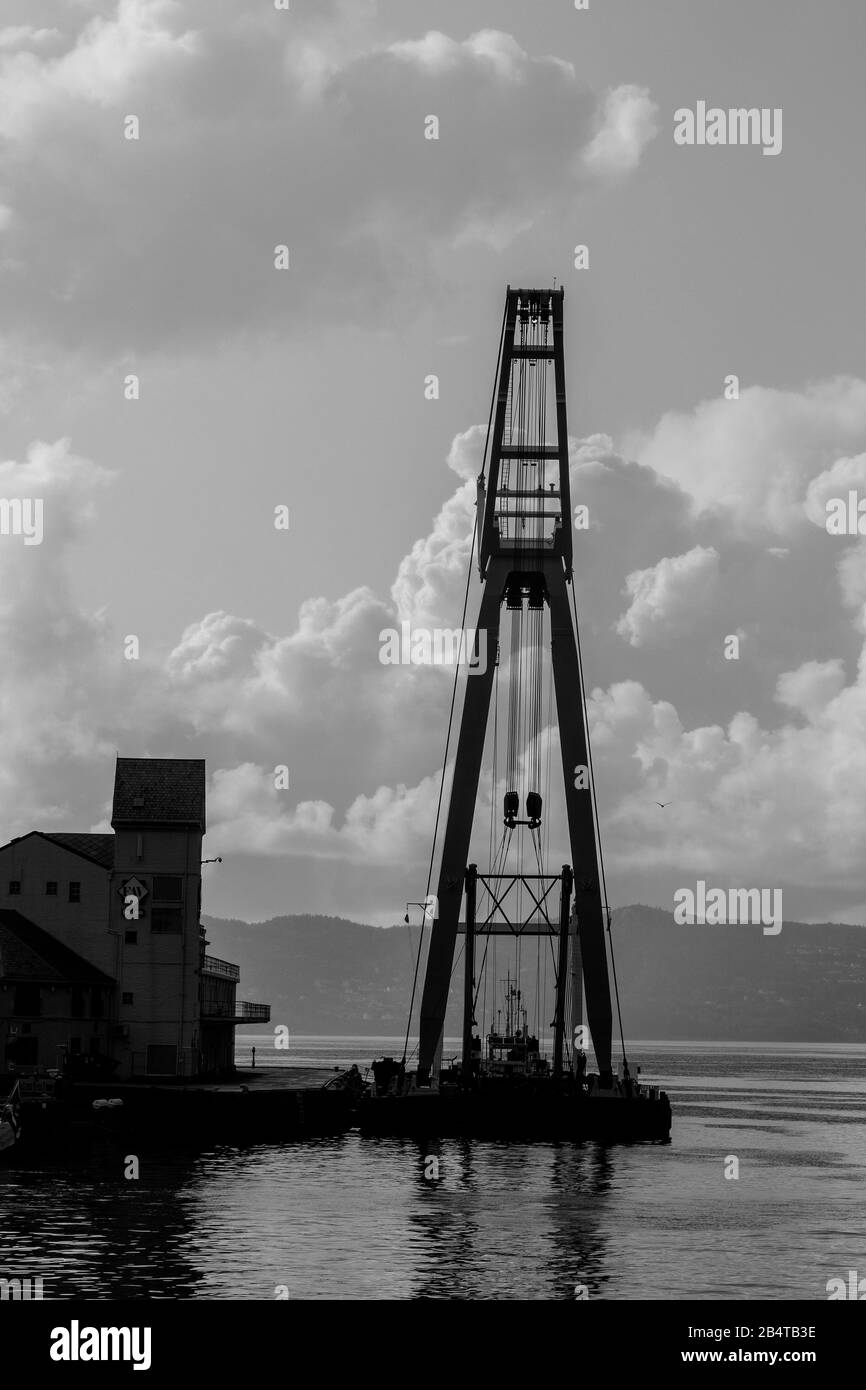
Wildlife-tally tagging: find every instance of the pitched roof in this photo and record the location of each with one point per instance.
(99, 848)
(160, 791)
(29, 953)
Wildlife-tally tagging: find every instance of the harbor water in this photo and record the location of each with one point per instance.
(758, 1196)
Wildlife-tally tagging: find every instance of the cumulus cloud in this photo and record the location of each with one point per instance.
(219, 646)
(153, 253)
(753, 459)
(758, 758)
(392, 824)
(51, 693)
(755, 805)
(25, 36)
(627, 124)
(812, 686)
(671, 597)
(466, 455)
(109, 60)
(431, 579)
(846, 475)
(851, 570)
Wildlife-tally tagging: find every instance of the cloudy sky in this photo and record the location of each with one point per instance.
(259, 387)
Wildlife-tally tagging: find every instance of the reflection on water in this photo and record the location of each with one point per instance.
(349, 1217)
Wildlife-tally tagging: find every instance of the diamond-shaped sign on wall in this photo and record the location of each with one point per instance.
(135, 887)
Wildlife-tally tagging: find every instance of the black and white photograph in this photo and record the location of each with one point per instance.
(432, 671)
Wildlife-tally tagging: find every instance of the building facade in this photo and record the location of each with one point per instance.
(101, 935)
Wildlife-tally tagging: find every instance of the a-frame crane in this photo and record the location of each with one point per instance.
(525, 562)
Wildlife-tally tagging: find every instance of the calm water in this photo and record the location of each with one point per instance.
(356, 1218)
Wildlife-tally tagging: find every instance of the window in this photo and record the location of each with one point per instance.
(126, 997)
(131, 938)
(77, 1006)
(168, 888)
(14, 887)
(51, 888)
(75, 1046)
(97, 1008)
(166, 914)
(28, 1001)
(75, 892)
(93, 1047)
(166, 920)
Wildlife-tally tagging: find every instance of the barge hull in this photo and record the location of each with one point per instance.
(547, 1118)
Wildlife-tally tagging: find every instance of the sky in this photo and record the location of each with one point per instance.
(259, 387)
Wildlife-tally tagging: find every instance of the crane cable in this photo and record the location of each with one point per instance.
(476, 533)
(595, 811)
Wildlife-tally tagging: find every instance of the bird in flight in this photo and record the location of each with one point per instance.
(663, 804)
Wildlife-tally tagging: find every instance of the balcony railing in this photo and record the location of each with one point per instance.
(214, 966)
(239, 1012)
(253, 1013)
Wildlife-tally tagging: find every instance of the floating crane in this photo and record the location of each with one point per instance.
(525, 562)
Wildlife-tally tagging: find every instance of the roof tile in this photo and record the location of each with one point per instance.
(29, 953)
(159, 791)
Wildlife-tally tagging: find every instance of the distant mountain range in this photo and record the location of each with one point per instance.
(725, 983)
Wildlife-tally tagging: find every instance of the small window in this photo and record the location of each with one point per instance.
(75, 892)
(168, 888)
(97, 1007)
(75, 1046)
(77, 1005)
(166, 920)
(14, 887)
(131, 938)
(51, 888)
(126, 997)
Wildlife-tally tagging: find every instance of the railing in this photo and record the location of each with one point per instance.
(214, 966)
(239, 1012)
(36, 1087)
(253, 1013)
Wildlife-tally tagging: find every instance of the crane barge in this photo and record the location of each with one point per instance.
(511, 1087)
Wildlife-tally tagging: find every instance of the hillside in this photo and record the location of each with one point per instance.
(808, 984)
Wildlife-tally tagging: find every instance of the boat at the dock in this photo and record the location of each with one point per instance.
(525, 1082)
